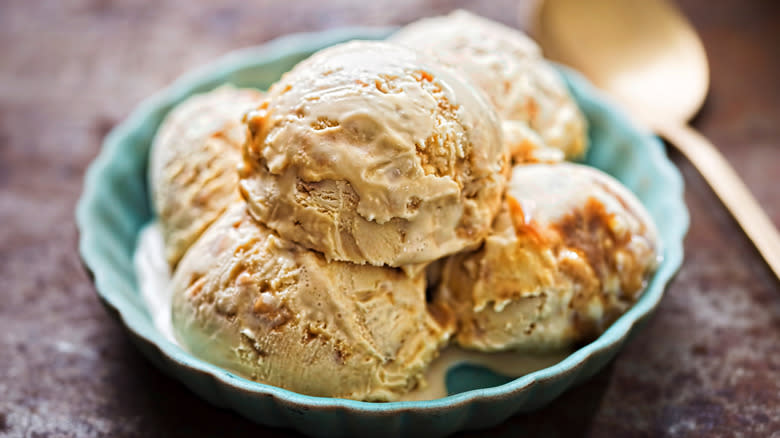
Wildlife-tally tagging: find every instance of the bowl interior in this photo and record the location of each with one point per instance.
(115, 203)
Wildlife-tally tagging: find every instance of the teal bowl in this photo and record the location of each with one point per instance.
(115, 206)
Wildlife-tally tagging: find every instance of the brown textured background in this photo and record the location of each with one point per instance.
(708, 363)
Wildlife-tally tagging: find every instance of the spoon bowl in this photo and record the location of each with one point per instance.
(647, 56)
(645, 53)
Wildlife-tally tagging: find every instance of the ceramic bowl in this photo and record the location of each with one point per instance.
(115, 205)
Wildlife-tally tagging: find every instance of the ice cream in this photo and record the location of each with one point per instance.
(331, 235)
(272, 311)
(369, 152)
(570, 252)
(193, 163)
(528, 93)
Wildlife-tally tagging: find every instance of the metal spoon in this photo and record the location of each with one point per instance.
(646, 55)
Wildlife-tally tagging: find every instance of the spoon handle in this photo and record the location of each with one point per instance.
(730, 189)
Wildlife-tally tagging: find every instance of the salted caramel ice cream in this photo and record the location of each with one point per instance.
(193, 161)
(529, 95)
(275, 312)
(306, 223)
(370, 152)
(570, 252)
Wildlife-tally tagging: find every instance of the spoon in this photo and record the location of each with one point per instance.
(647, 56)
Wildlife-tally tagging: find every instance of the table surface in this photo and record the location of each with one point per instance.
(707, 364)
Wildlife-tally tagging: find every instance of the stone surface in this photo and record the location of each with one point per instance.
(708, 363)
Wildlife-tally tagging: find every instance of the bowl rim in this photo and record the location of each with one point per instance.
(306, 42)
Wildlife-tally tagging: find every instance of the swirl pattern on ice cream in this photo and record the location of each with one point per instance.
(529, 95)
(193, 163)
(272, 311)
(570, 252)
(372, 153)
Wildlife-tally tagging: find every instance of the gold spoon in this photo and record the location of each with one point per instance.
(647, 56)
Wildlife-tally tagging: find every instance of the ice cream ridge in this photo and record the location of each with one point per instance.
(570, 251)
(192, 170)
(273, 311)
(541, 120)
(373, 153)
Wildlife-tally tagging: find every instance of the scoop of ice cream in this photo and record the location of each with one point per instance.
(372, 153)
(193, 164)
(509, 67)
(272, 311)
(570, 252)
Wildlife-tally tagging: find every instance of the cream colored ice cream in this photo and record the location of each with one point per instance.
(272, 311)
(570, 252)
(372, 153)
(193, 164)
(509, 67)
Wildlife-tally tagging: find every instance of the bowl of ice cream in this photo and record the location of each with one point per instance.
(119, 200)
